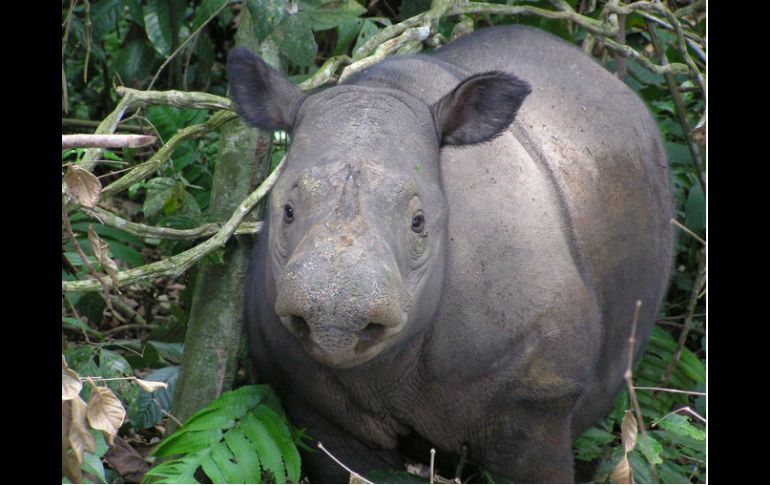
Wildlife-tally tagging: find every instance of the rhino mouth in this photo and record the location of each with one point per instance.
(340, 348)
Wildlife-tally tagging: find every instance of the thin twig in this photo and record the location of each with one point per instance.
(629, 376)
(103, 282)
(687, 230)
(679, 107)
(432, 460)
(686, 409)
(357, 475)
(674, 391)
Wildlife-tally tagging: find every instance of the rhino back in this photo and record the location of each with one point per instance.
(557, 227)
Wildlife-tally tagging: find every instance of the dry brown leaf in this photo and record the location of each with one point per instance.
(70, 382)
(622, 472)
(126, 461)
(80, 437)
(628, 431)
(83, 185)
(105, 411)
(70, 461)
(101, 250)
(151, 386)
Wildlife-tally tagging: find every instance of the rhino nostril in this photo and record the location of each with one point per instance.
(299, 326)
(370, 335)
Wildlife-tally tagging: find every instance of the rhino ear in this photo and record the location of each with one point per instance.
(479, 108)
(262, 95)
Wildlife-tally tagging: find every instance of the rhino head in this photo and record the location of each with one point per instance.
(357, 239)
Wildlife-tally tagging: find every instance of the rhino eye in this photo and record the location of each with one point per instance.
(418, 222)
(288, 213)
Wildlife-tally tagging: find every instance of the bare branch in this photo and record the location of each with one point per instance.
(357, 475)
(106, 141)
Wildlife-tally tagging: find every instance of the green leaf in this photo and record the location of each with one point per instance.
(172, 352)
(180, 470)
(147, 411)
(668, 473)
(295, 39)
(94, 466)
(265, 15)
(135, 12)
(76, 324)
(651, 449)
(346, 33)
(695, 209)
(680, 425)
(205, 10)
(591, 444)
(229, 439)
(678, 154)
(163, 194)
(162, 21)
(329, 15)
(134, 62)
(368, 29)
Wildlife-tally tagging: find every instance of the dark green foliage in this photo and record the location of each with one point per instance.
(242, 437)
(149, 407)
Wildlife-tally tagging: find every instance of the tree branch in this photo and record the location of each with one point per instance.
(178, 264)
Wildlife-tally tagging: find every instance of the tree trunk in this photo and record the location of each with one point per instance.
(215, 328)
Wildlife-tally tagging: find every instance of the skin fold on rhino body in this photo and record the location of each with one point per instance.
(454, 251)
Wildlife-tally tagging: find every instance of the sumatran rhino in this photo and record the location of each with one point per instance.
(454, 251)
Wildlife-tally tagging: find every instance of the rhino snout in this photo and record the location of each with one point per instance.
(343, 313)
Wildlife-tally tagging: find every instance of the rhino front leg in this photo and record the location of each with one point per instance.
(345, 447)
(530, 445)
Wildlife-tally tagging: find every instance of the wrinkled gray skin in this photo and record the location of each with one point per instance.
(503, 323)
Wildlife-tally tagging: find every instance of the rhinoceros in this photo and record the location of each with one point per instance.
(453, 253)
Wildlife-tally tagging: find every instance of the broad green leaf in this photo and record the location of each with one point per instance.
(639, 467)
(346, 33)
(591, 444)
(295, 39)
(93, 465)
(170, 351)
(695, 209)
(135, 62)
(651, 449)
(678, 154)
(135, 12)
(265, 15)
(162, 21)
(681, 426)
(368, 29)
(205, 10)
(329, 15)
(147, 410)
(76, 324)
(669, 473)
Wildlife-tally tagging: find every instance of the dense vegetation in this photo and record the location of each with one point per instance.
(127, 331)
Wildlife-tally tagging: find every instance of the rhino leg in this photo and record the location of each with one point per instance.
(530, 445)
(345, 447)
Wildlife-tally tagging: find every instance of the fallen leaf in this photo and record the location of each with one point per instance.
(126, 461)
(83, 185)
(70, 461)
